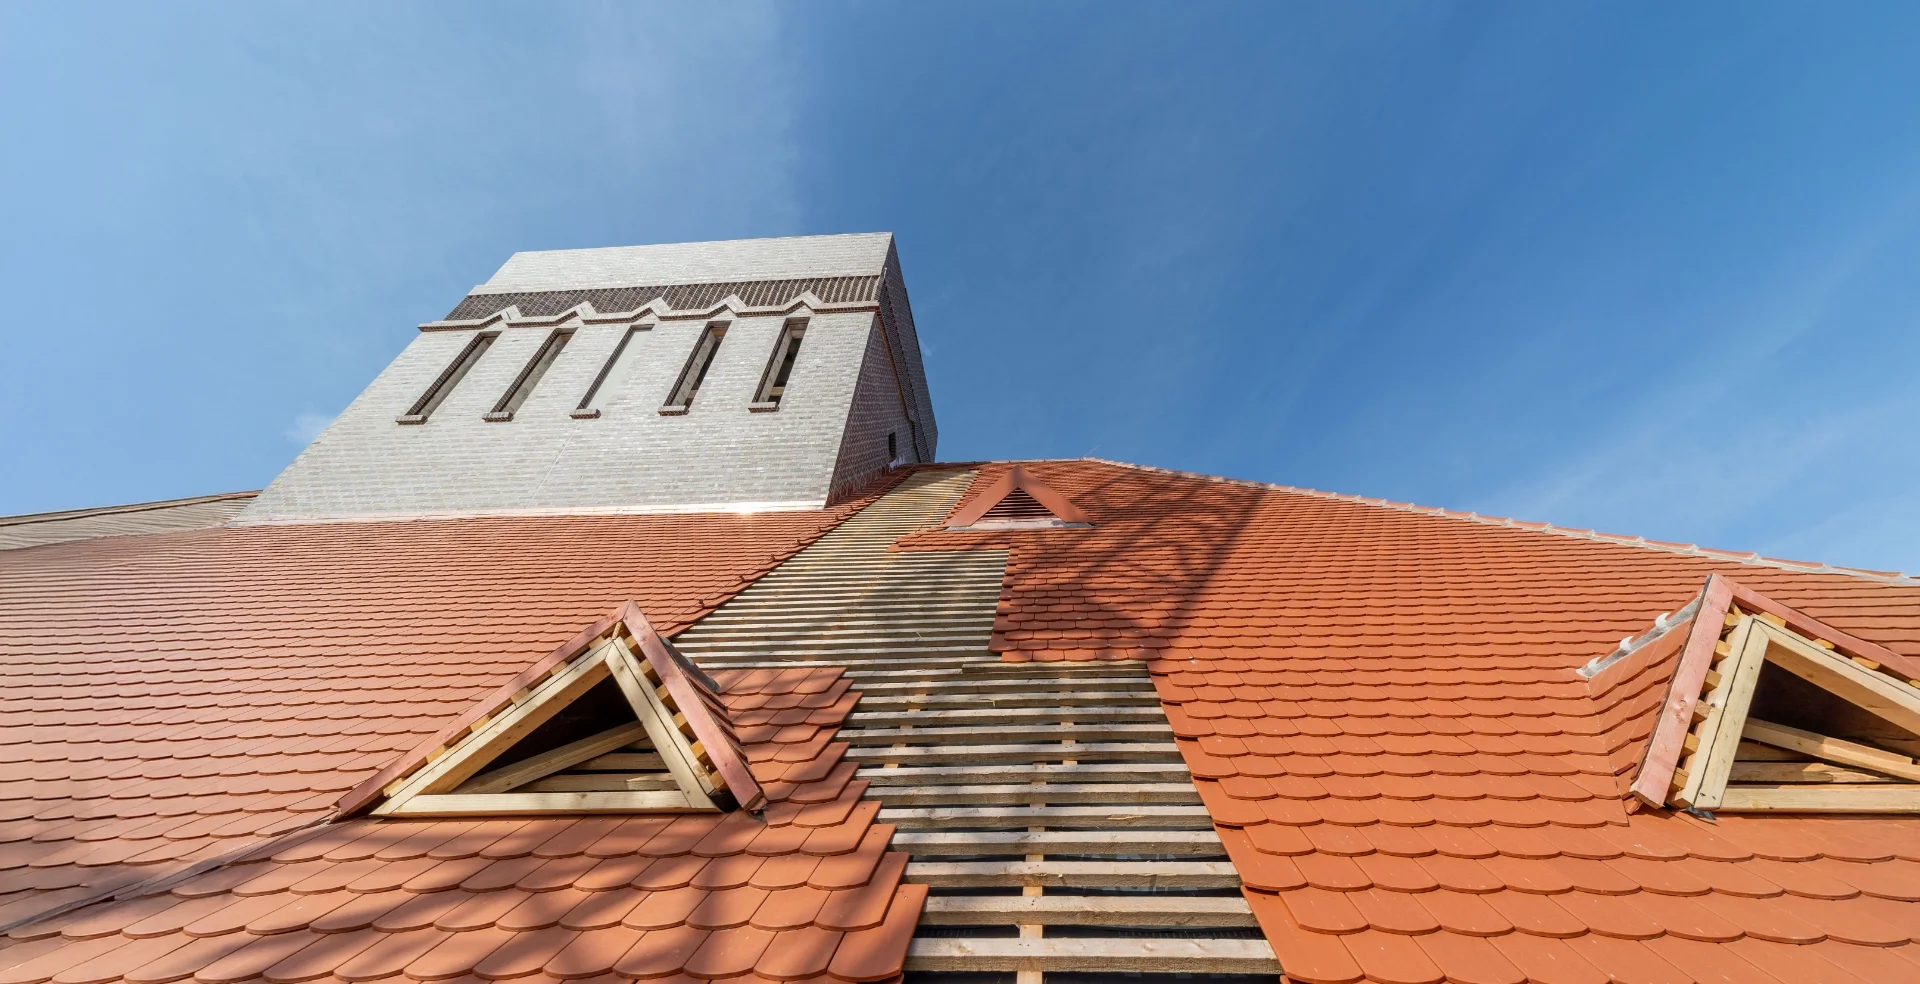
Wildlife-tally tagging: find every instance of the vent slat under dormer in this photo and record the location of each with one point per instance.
(1018, 506)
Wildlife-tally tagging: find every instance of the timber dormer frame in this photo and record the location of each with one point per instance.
(1855, 709)
(675, 753)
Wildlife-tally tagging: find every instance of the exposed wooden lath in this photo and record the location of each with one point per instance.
(1045, 805)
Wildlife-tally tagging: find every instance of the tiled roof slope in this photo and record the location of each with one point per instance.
(171, 516)
(169, 700)
(809, 892)
(1382, 712)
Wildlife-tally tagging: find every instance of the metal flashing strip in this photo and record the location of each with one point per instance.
(1631, 645)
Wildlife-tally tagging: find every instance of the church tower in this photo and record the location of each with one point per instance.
(745, 375)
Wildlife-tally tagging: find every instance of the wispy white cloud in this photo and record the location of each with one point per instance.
(306, 427)
(1731, 441)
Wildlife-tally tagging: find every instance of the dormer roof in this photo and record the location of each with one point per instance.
(657, 702)
(1017, 500)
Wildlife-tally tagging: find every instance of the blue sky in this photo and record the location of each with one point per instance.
(1649, 270)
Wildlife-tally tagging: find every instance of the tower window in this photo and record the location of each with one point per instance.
(529, 377)
(449, 378)
(688, 386)
(893, 447)
(616, 365)
(773, 382)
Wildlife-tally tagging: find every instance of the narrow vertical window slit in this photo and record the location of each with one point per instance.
(450, 377)
(614, 368)
(695, 373)
(773, 382)
(529, 377)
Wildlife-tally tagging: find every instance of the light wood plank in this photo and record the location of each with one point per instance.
(1006, 732)
(1127, 772)
(1887, 798)
(1058, 793)
(1735, 695)
(625, 761)
(1832, 749)
(551, 761)
(1159, 751)
(1049, 714)
(668, 740)
(1753, 751)
(1087, 910)
(1051, 817)
(1708, 730)
(521, 804)
(1074, 874)
(1800, 772)
(596, 782)
(1094, 956)
(1184, 842)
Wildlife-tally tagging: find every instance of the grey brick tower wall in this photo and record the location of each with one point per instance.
(858, 379)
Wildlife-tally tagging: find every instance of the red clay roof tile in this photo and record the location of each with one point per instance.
(871, 954)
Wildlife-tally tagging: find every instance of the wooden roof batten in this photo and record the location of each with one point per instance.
(677, 753)
(1018, 500)
(1710, 751)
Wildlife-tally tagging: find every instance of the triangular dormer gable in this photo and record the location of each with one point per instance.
(1772, 709)
(615, 721)
(1018, 500)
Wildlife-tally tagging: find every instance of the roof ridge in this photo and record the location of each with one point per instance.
(1684, 549)
(25, 519)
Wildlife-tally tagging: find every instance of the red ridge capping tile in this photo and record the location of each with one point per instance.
(1814, 628)
(692, 692)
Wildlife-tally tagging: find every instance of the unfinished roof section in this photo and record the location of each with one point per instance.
(623, 723)
(168, 516)
(1383, 714)
(557, 387)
